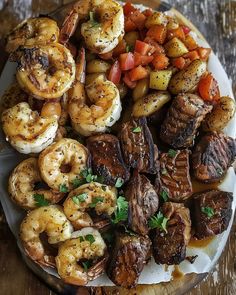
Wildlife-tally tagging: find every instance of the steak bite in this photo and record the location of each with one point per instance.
(107, 159)
(212, 156)
(183, 119)
(143, 203)
(169, 246)
(137, 145)
(173, 181)
(211, 212)
(129, 255)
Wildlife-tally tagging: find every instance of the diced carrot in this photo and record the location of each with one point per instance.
(115, 73)
(120, 48)
(148, 12)
(142, 47)
(160, 61)
(208, 88)
(142, 59)
(128, 82)
(190, 43)
(158, 33)
(192, 55)
(204, 53)
(157, 48)
(138, 18)
(129, 25)
(186, 29)
(126, 61)
(106, 56)
(128, 8)
(178, 62)
(179, 33)
(138, 73)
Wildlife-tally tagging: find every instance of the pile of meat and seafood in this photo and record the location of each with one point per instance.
(123, 126)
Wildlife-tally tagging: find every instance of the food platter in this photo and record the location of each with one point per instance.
(8, 159)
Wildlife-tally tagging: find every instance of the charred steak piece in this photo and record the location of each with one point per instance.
(183, 119)
(212, 156)
(170, 247)
(211, 212)
(137, 145)
(173, 181)
(107, 158)
(128, 258)
(143, 203)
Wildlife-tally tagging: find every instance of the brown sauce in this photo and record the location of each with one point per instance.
(177, 273)
(200, 243)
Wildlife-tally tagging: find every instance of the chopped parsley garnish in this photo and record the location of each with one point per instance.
(129, 48)
(137, 129)
(95, 201)
(104, 188)
(158, 221)
(119, 182)
(89, 238)
(86, 265)
(88, 176)
(164, 194)
(78, 182)
(40, 200)
(111, 119)
(79, 198)
(164, 171)
(92, 19)
(63, 188)
(121, 212)
(172, 153)
(208, 211)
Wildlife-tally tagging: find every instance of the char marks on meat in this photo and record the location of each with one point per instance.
(212, 156)
(128, 258)
(143, 203)
(174, 177)
(183, 119)
(170, 247)
(211, 212)
(107, 159)
(137, 145)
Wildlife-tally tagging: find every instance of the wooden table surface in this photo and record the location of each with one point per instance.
(217, 21)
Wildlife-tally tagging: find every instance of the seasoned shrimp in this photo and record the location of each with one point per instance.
(62, 162)
(90, 195)
(33, 31)
(99, 109)
(26, 131)
(48, 219)
(82, 258)
(46, 72)
(21, 185)
(103, 31)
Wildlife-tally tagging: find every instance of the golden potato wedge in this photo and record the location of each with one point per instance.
(159, 80)
(97, 66)
(157, 18)
(187, 78)
(149, 104)
(91, 77)
(175, 48)
(141, 89)
(220, 116)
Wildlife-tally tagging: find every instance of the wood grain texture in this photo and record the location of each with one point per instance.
(216, 20)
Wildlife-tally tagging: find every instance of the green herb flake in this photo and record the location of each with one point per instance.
(87, 175)
(78, 182)
(90, 239)
(158, 221)
(40, 200)
(172, 153)
(81, 239)
(92, 19)
(80, 198)
(137, 129)
(208, 211)
(86, 265)
(129, 232)
(164, 171)
(219, 171)
(104, 188)
(121, 212)
(95, 201)
(164, 194)
(63, 188)
(119, 182)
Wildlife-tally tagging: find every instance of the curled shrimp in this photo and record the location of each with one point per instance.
(82, 258)
(62, 162)
(32, 31)
(26, 130)
(46, 71)
(99, 109)
(48, 219)
(90, 195)
(103, 31)
(21, 185)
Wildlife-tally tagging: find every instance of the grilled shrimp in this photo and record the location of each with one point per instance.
(62, 162)
(99, 109)
(103, 31)
(46, 72)
(90, 195)
(21, 185)
(26, 131)
(82, 258)
(33, 31)
(49, 219)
